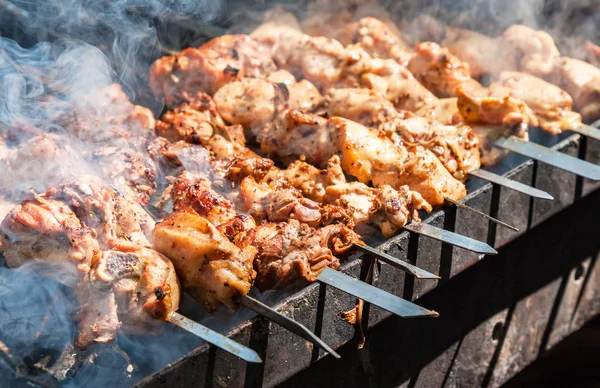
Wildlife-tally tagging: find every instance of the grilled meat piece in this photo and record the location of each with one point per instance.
(43, 228)
(377, 38)
(303, 95)
(292, 252)
(550, 104)
(136, 290)
(581, 81)
(383, 207)
(593, 53)
(195, 122)
(527, 50)
(121, 223)
(210, 267)
(476, 49)
(207, 68)
(457, 147)
(441, 72)
(130, 171)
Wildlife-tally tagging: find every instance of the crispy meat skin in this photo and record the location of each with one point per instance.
(456, 147)
(211, 267)
(292, 252)
(46, 229)
(207, 68)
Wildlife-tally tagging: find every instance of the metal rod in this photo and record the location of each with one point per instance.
(395, 262)
(511, 184)
(450, 238)
(587, 130)
(214, 338)
(373, 295)
(480, 213)
(285, 322)
(551, 157)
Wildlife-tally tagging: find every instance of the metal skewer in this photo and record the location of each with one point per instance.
(551, 157)
(288, 323)
(214, 338)
(395, 262)
(510, 184)
(480, 213)
(587, 130)
(450, 238)
(374, 295)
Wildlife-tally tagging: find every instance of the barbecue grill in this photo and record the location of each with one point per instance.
(497, 314)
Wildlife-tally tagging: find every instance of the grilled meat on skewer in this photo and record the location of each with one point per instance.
(129, 286)
(581, 81)
(593, 54)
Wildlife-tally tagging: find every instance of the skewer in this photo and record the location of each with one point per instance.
(214, 338)
(395, 262)
(285, 322)
(374, 295)
(450, 238)
(480, 213)
(587, 130)
(551, 157)
(510, 184)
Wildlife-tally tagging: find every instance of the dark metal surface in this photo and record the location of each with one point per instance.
(482, 214)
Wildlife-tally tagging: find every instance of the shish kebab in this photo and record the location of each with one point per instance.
(433, 185)
(526, 50)
(504, 107)
(168, 80)
(123, 282)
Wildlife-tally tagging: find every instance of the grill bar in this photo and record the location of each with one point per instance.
(511, 184)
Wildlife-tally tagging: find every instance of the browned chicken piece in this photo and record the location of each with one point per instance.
(365, 153)
(207, 68)
(328, 24)
(137, 290)
(581, 81)
(43, 228)
(593, 53)
(107, 115)
(328, 64)
(441, 72)
(371, 157)
(195, 122)
(423, 28)
(377, 38)
(387, 209)
(121, 223)
(302, 95)
(524, 49)
(130, 171)
(456, 147)
(292, 252)
(478, 50)
(550, 104)
(210, 267)
(190, 191)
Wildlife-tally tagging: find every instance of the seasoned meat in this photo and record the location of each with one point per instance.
(582, 81)
(377, 38)
(478, 50)
(195, 122)
(593, 53)
(457, 147)
(211, 268)
(441, 72)
(291, 252)
(527, 50)
(121, 223)
(43, 228)
(136, 290)
(550, 104)
(207, 68)
(130, 171)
